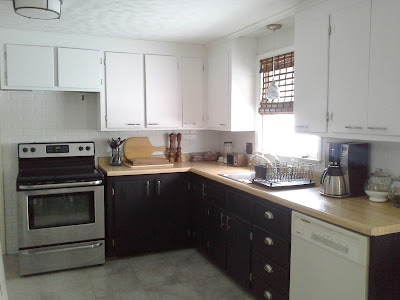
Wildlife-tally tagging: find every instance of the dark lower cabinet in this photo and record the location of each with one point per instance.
(132, 217)
(216, 235)
(238, 249)
(198, 211)
(147, 213)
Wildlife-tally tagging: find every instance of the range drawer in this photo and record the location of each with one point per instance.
(262, 291)
(271, 246)
(271, 219)
(216, 194)
(239, 204)
(265, 270)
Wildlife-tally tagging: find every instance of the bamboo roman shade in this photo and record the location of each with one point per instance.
(284, 77)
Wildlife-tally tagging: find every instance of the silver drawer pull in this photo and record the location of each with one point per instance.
(268, 268)
(377, 128)
(301, 126)
(353, 127)
(268, 241)
(269, 215)
(91, 246)
(133, 124)
(222, 124)
(267, 295)
(150, 124)
(190, 123)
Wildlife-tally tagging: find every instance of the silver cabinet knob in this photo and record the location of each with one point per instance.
(269, 215)
(268, 241)
(268, 268)
(267, 295)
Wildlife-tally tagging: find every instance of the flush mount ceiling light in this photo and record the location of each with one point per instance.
(38, 9)
(273, 88)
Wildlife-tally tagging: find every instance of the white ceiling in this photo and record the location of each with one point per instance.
(185, 21)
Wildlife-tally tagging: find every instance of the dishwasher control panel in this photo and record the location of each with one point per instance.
(343, 242)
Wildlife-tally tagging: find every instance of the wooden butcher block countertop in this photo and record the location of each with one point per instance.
(355, 213)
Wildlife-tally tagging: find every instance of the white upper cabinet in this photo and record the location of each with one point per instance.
(218, 90)
(383, 103)
(311, 71)
(79, 68)
(124, 90)
(163, 101)
(29, 66)
(192, 92)
(231, 85)
(349, 67)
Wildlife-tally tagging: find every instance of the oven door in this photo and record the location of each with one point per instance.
(63, 215)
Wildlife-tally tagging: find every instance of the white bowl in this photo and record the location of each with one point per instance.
(377, 196)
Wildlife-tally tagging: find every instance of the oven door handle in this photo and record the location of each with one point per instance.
(59, 185)
(40, 251)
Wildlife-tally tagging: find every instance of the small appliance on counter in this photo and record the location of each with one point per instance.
(347, 170)
(236, 159)
(377, 186)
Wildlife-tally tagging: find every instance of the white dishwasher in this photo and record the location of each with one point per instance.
(327, 261)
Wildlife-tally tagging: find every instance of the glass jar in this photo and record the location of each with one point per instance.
(377, 186)
(115, 157)
(394, 191)
(228, 148)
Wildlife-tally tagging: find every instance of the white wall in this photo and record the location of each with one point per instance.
(284, 38)
(63, 116)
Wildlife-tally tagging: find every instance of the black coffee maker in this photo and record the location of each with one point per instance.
(347, 170)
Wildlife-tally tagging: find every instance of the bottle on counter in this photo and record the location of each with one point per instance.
(228, 148)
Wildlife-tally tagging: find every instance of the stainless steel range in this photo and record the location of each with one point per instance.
(60, 207)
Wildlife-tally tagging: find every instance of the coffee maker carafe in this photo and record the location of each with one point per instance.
(332, 179)
(347, 170)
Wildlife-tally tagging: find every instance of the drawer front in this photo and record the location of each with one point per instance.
(216, 194)
(265, 270)
(271, 219)
(271, 246)
(239, 204)
(262, 291)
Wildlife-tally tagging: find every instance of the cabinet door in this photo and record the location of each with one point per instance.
(218, 90)
(192, 92)
(349, 67)
(79, 68)
(170, 214)
(30, 66)
(216, 235)
(163, 104)
(238, 248)
(125, 90)
(383, 106)
(198, 211)
(133, 217)
(311, 65)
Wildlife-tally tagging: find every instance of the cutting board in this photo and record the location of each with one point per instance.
(145, 163)
(139, 147)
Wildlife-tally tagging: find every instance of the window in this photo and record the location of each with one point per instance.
(277, 134)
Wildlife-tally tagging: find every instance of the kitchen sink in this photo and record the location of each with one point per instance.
(241, 177)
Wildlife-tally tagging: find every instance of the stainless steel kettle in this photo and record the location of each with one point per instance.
(333, 182)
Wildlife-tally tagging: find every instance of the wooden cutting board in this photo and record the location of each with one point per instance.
(140, 147)
(141, 163)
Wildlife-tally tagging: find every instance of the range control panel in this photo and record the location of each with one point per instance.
(68, 149)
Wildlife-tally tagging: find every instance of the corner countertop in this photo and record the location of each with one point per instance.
(355, 213)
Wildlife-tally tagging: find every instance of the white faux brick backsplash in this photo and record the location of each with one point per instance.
(27, 116)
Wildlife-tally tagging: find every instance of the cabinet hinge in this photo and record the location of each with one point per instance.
(327, 116)
(251, 276)
(105, 117)
(188, 233)
(208, 212)
(208, 244)
(101, 61)
(5, 55)
(203, 68)
(251, 236)
(330, 30)
(113, 243)
(188, 186)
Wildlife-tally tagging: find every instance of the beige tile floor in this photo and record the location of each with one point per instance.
(181, 274)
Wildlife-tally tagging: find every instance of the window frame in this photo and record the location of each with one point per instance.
(258, 118)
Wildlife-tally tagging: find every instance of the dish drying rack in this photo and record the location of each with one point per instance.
(280, 175)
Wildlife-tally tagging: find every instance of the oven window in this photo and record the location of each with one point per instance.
(57, 210)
